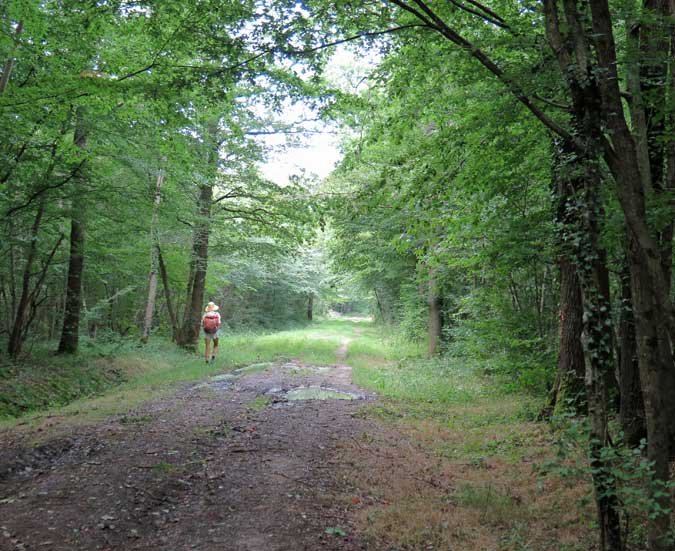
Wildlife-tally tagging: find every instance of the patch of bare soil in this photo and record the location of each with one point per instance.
(227, 464)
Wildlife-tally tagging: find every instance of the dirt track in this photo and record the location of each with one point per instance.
(226, 464)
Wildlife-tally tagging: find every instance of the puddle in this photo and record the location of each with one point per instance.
(281, 396)
(253, 368)
(225, 381)
(220, 382)
(320, 393)
(299, 369)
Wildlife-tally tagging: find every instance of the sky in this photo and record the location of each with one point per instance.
(318, 152)
(318, 155)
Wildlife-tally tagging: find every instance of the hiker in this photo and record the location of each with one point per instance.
(211, 327)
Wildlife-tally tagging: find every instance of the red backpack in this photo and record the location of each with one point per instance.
(210, 322)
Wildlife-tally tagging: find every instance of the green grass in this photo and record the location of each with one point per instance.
(436, 381)
(488, 420)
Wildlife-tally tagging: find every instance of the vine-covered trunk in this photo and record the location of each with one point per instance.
(579, 219)
(569, 391)
(598, 341)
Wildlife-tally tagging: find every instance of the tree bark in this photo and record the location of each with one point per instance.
(569, 390)
(73, 306)
(154, 261)
(70, 333)
(17, 331)
(189, 332)
(167, 294)
(580, 235)
(597, 338)
(380, 306)
(310, 306)
(631, 411)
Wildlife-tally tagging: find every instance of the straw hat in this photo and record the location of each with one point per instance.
(211, 307)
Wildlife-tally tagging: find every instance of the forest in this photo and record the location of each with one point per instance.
(497, 232)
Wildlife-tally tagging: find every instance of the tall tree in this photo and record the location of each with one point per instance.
(200, 242)
(154, 261)
(70, 332)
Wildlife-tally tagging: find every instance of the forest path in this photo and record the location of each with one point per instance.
(234, 462)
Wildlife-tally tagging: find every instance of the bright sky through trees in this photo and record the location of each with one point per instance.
(317, 151)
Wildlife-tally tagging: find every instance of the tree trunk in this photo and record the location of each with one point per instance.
(580, 239)
(167, 294)
(380, 306)
(17, 330)
(12, 273)
(70, 333)
(434, 302)
(191, 277)
(154, 261)
(631, 411)
(310, 306)
(189, 332)
(569, 390)
(71, 315)
(7, 319)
